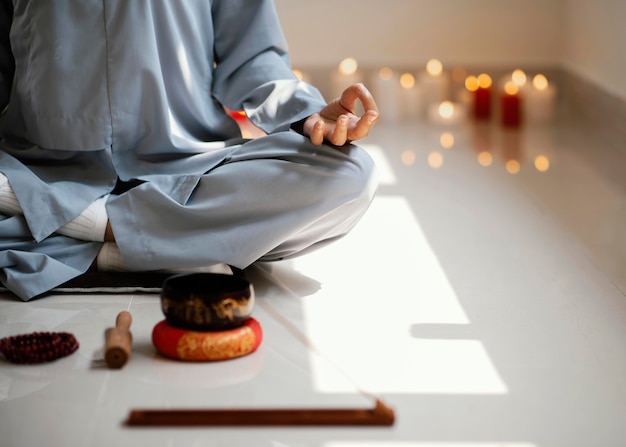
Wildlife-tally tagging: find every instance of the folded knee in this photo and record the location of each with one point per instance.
(361, 178)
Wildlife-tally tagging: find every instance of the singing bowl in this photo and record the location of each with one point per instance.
(207, 301)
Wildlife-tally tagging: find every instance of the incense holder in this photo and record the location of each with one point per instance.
(207, 301)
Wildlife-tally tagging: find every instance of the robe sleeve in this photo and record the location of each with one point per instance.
(252, 66)
(7, 62)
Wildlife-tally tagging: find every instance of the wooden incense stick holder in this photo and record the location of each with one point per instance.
(380, 415)
(118, 341)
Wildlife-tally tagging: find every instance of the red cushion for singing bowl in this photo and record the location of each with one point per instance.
(183, 344)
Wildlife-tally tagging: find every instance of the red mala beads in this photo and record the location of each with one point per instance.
(38, 347)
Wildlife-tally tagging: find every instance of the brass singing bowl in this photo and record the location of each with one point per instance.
(207, 301)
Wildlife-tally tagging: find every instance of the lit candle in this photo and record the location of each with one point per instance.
(446, 112)
(385, 88)
(434, 83)
(346, 75)
(519, 78)
(539, 100)
(481, 87)
(511, 105)
(410, 96)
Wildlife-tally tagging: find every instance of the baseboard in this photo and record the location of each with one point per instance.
(602, 111)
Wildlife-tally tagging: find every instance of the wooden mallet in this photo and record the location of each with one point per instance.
(118, 341)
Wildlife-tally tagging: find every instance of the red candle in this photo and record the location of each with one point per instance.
(481, 86)
(482, 103)
(511, 116)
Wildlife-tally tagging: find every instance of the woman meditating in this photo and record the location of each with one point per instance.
(116, 152)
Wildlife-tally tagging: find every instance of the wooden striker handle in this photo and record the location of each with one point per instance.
(118, 341)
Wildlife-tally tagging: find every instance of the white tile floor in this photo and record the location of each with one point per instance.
(486, 307)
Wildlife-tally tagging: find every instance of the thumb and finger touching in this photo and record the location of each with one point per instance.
(338, 123)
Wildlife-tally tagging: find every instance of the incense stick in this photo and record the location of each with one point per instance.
(380, 415)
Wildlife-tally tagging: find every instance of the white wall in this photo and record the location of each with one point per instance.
(595, 42)
(409, 32)
(587, 37)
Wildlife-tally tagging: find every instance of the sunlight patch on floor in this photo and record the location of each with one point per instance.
(386, 175)
(381, 296)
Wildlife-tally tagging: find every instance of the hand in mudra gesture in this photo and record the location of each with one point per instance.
(337, 123)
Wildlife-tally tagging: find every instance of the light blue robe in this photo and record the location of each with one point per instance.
(96, 92)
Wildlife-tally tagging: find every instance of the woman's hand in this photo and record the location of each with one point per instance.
(337, 123)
